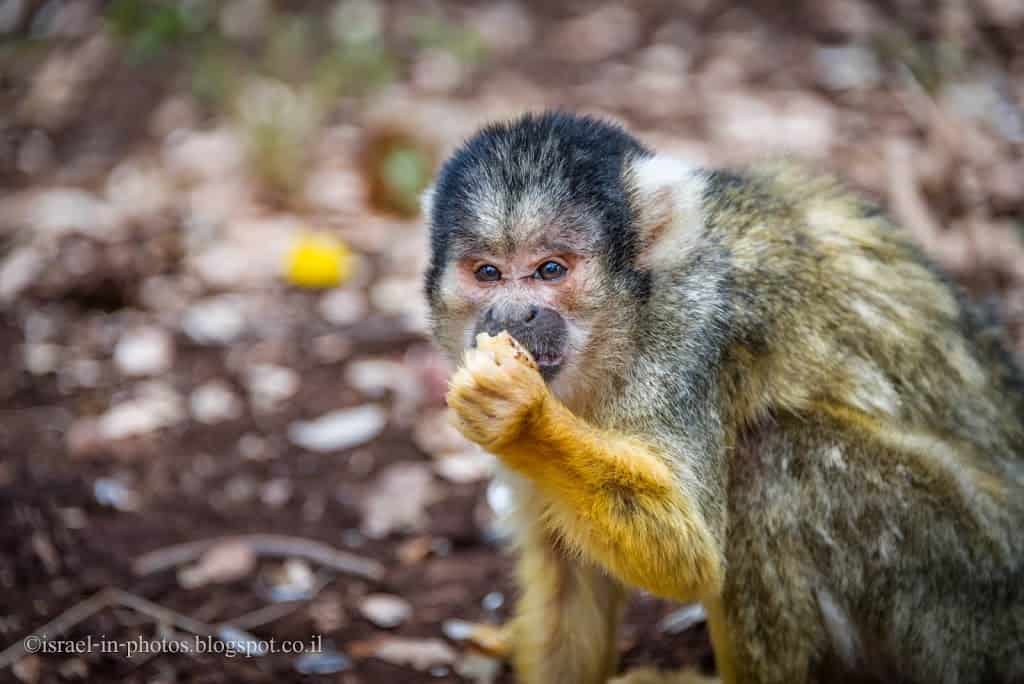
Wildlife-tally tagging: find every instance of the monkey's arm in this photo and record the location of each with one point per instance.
(616, 499)
(613, 496)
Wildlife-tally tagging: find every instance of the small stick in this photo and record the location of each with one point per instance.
(82, 610)
(275, 611)
(262, 545)
(171, 617)
(112, 596)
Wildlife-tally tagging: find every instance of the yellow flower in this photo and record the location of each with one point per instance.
(319, 261)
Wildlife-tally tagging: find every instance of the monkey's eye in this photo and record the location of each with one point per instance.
(551, 270)
(487, 273)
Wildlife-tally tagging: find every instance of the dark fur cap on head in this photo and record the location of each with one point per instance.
(571, 163)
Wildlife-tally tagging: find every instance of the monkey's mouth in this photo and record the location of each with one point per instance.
(549, 362)
(549, 359)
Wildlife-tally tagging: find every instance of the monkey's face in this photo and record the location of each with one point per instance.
(534, 293)
(532, 231)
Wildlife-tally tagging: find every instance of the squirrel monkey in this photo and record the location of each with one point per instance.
(745, 389)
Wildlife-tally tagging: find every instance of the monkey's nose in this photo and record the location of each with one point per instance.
(524, 316)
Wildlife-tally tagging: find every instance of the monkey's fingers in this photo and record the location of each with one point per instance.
(487, 371)
(484, 418)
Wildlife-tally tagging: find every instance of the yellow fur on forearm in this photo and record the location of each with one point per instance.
(614, 499)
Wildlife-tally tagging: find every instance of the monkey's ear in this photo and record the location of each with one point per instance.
(427, 202)
(667, 197)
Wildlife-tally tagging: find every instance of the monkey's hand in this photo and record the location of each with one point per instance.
(614, 496)
(497, 392)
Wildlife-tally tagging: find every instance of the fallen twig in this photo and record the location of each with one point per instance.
(262, 545)
(276, 611)
(82, 610)
(171, 617)
(112, 596)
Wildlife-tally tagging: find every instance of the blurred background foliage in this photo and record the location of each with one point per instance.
(280, 73)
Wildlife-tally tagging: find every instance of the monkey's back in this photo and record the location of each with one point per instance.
(880, 565)
(876, 486)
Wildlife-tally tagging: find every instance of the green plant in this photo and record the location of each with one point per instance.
(150, 28)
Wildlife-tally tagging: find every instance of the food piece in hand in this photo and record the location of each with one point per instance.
(504, 346)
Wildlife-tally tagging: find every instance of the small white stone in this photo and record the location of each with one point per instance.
(343, 307)
(336, 190)
(156, 406)
(665, 58)
(137, 190)
(457, 630)
(500, 497)
(276, 493)
(18, 271)
(127, 420)
(214, 402)
(204, 154)
(113, 493)
(435, 435)
(682, 619)
(145, 351)
(470, 465)
(398, 499)
(339, 430)
(294, 582)
(325, 662)
(250, 253)
(214, 201)
(269, 385)
(374, 377)
(479, 668)
(419, 654)
(64, 210)
(384, 610)
(492, 601)
(224, 265)
(226, 562)
(401, 296)
(217, 320)
(41, 358)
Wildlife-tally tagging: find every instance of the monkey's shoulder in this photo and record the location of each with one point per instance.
(793, 203)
